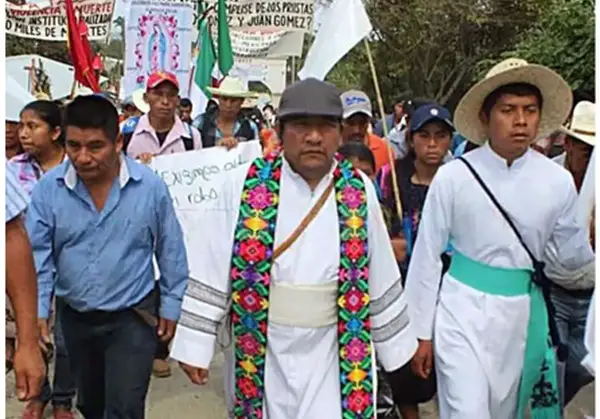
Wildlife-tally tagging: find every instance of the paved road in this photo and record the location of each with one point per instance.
(175, 397)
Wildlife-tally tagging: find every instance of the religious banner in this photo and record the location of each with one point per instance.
(194, 180)
(46, 19)
(158, 36)
(281, 15)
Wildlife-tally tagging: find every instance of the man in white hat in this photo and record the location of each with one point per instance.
(572, 305)
(488, 318)
(227, 126)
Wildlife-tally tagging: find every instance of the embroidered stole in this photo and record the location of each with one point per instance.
(251, 276)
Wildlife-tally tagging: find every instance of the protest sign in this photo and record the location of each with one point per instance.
(158, 36)
(194, 180)
(281, 15)
(46, 19)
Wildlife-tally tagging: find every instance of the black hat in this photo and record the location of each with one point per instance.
(310, 97)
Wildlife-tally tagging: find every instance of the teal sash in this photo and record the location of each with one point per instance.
(539, 377)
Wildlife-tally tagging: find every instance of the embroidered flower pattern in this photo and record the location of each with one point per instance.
(251, 276)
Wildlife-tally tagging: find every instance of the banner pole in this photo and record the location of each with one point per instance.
(395, 187)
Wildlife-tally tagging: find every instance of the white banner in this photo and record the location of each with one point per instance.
(194, 179)
(46, 20)
(158, 38)
(281, 15)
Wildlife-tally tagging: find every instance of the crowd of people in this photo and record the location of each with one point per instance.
(357, 269)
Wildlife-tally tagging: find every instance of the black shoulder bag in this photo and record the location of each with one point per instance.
(538, 276)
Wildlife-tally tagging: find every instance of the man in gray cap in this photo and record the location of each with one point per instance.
(357, 117)
(305, 287)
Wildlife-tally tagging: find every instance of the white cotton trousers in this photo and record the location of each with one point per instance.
(479, 345)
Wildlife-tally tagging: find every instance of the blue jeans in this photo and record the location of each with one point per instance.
(571, 316)
(111, 354)
(64, 382)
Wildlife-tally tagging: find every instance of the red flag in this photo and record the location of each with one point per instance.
(80, 50)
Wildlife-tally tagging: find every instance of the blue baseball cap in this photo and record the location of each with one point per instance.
(428, 113)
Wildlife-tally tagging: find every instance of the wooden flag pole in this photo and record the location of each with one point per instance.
(395, 187)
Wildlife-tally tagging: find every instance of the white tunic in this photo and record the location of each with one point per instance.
(302, 372)
(479, 339)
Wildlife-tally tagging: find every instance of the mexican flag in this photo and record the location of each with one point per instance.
(212, 64)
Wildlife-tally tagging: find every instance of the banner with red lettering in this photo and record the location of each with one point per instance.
(46, 19)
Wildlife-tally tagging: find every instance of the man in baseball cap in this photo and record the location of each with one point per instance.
(357, 116)
(330, 204)
(161, 131)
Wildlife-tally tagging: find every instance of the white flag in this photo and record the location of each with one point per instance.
(17, 97)
(343, 26)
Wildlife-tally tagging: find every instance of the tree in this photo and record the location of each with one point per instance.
(51, 49)
(430, 48)
(564, 40)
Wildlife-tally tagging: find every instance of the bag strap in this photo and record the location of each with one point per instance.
(304, 223)
(501, 209)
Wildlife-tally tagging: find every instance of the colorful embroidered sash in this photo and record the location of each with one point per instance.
(251, 275)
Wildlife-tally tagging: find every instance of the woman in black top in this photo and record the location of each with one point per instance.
(429, 137)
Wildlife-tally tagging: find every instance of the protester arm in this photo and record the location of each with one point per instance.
(425, 269)
(170, 255)
(394, 340)
(207, 298)
(568, 254)
(21, 284)
(40, 228)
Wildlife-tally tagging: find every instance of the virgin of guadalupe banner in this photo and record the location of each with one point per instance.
(46, 19)
(158, 38)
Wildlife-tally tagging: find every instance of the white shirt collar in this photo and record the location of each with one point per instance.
(70, 177)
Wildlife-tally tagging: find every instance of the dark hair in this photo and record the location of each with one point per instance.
(50, 113)
(517, 89)
(185, 102)
(270, 107)
(93, 112)
(357, 150)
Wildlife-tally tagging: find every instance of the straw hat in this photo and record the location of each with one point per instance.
(556, 94)
(232, 87)
(137, 97)
(583, 124)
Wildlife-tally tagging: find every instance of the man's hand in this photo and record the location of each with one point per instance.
(145, 158)
(166, 329)
(422, 361)
(196, 375)
(399, 246)
(30, 370)
(44, 334)
(228, 142)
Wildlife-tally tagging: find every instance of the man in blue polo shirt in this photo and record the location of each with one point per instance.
(95, 224)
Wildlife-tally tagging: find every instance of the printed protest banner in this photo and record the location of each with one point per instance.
(281, 15)
(194, 180)
(158, 36)
(46, 19)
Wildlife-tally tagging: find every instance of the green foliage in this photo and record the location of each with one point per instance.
(50, 49)
(430, 48)
(563, 40)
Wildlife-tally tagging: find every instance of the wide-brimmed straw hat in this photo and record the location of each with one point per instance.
(232, 87)
(583, 123)
(556, 94)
